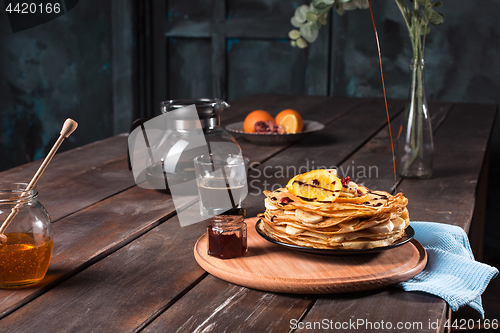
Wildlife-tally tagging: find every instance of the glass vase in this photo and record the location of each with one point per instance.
(415, 143)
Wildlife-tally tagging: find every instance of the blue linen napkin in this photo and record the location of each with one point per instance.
(451, 271)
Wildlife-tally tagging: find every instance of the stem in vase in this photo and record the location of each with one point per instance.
(415, 32)
(417, 110)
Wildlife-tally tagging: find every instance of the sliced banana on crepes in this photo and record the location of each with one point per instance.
(319, 210)
(270, 205)
(308, 216)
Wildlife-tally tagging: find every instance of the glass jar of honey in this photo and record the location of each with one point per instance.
(25, 255)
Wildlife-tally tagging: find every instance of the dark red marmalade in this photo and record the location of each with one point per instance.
(227, 237)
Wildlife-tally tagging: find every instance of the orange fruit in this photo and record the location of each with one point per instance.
(316, 187)
(253, 117)
(353, 200)
(293, 122)
(289, 186)
(290, 123)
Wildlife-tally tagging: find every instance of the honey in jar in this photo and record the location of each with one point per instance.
(24, 259)
(25, 256)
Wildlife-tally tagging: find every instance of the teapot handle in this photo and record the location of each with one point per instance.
(138, 122)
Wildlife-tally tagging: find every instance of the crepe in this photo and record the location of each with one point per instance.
(378, 221)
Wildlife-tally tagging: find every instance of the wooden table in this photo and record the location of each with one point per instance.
(122, 263)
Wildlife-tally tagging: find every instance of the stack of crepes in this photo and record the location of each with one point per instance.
(319, 210)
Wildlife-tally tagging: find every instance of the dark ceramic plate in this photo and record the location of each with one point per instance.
(408, 236)
(310, 126)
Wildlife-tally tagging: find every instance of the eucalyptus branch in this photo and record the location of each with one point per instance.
(309, 19)
(404, 12)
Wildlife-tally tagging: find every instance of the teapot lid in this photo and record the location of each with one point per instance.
(206, 107)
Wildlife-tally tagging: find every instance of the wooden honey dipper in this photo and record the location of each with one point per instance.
(68, 127)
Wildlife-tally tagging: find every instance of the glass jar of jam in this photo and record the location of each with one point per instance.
(25, 255)
(227, 236)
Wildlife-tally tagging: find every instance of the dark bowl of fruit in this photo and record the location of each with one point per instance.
(261, 128)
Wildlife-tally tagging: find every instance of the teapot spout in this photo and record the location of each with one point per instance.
(220, 105)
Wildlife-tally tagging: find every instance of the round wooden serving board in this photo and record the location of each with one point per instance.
(270, 267)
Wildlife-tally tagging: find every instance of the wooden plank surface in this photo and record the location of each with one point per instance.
(111, 167)
(460, 145)
(318, 108)
(376, 151)
(389, 305)
(144, 280)
(170, 291)
(230, 308)
(270, 267)
(93, 233)
(427, 201)
(372, 164)
(78, 178)
(121, 292)
(342, 127)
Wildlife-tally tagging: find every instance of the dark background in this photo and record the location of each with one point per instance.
(107, 62)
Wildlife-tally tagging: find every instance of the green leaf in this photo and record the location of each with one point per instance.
(350, 5)
(306, 31)
(423, 2)
(309, 33)
(437, 4)
(301, 43)
(293, 43)
(441, 19)
(296, 23)
(426, 13)
(321, 5)
(322, 18)
(425, 31)
(315, 25)
(363, 4)
(433, 17)
(300, 13)
(311, 17)
(324, 10)
(404, 10)
(294, 34)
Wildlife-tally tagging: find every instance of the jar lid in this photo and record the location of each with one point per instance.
(206, 107)
(226, 220)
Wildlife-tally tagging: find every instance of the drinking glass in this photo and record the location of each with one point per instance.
(222, 182)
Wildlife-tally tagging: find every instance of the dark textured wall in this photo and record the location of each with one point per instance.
(51, 72)
(64, 68)
(75, 66)
(462, 55)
